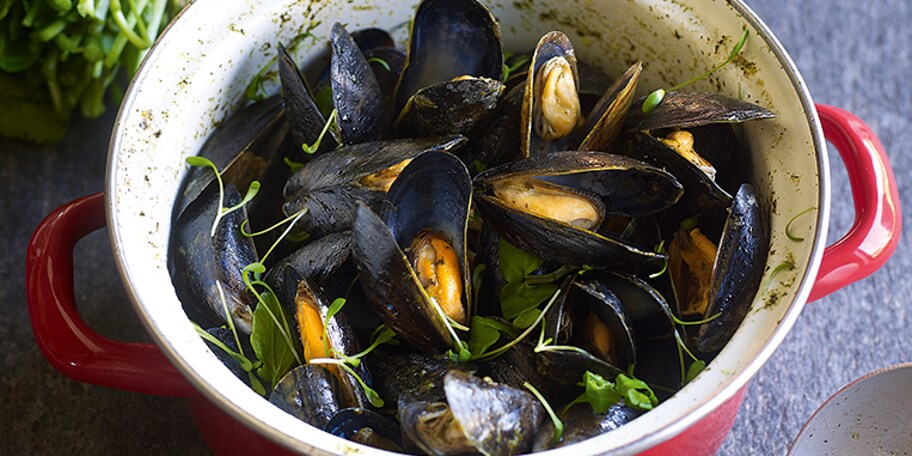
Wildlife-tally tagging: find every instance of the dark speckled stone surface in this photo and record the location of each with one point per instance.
(852, 54)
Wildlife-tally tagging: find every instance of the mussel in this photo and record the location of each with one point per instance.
(413, 255)
(553, 205)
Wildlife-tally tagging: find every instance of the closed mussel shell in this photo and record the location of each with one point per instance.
(429, 201)
(310, 393)
(581, 423)
(366, 427)
(361, 114)
(316, 261)
(694, 109)
(205, 268)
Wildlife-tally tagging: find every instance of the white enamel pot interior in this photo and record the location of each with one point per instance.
(195, 76)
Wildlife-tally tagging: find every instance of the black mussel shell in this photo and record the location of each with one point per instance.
(304, 117)
(694, 109)
(701, 193)
(315, 261)
(366, 427)
(370, 39)
(412, 374)
(380, 244)
(497, 419)
(242, 148)
(329, 185)
(388, 72)
(198, 261)
(361, 113)
(449, 39)
(450, 107)
(605, 121)
(431, 426)
(581, 423)
(225, 336)
(499, 141)
(738, 270)
(310, 393)
(595, 297)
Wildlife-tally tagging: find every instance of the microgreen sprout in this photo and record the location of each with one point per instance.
(312, 149)
(518, 64)
(660, 249)
(380, 62)
(788, 226)
(283, 326)
(784, 266)
(655, 98)
(502, 349)
(558, 424)
(252, 190)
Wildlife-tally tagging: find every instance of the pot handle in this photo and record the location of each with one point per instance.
(878, 222)
(67, 342)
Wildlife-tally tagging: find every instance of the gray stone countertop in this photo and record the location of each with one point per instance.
(852, 54)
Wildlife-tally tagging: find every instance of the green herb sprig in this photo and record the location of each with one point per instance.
(601, 393)
(252, 190)
(558, 424)
(655, 98)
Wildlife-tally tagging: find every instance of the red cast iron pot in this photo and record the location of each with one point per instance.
(191, 81)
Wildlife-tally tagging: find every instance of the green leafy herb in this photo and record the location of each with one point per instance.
(524, 291)
(293, 165)
(382, 335)
(655, 98)
(485, 333)
(518, 64)
(558, 424)
(695, 369)
(525, 319)
(243, 362)
(601, 393)
(60, 55)
(269, 338)
(502, 349)
(788, 226)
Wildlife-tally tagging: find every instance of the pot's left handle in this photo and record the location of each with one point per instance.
(66, 340)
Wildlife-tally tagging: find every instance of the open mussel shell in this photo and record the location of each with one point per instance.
(366, 427)
(242, 149)
(604, 330)
(701, 193)
(362, 115)
(312, 325)
(312, 394)
(737, 271)
(581, 423)
(329, 185)
(304, 117)
(551, 106)
(450, 39)
(653, 328)
(607, 117)
(200, 264)
(599, 184)
(431, 199)
(694, 109)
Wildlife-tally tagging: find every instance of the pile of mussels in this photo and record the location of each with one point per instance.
(437, 163)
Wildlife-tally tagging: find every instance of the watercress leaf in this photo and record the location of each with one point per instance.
(293, 165)
(334, 308)
(636, 393)
(268, 342)
(600, 393)
(525, 319)
(196, 160)
(695, 368)
(482, 336)
(518, 297)
(653, 100)
(516, 264)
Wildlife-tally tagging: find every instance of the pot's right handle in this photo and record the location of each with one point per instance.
(878, 222)
(67, 342)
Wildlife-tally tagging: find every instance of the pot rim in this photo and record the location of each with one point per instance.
(711, 402)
